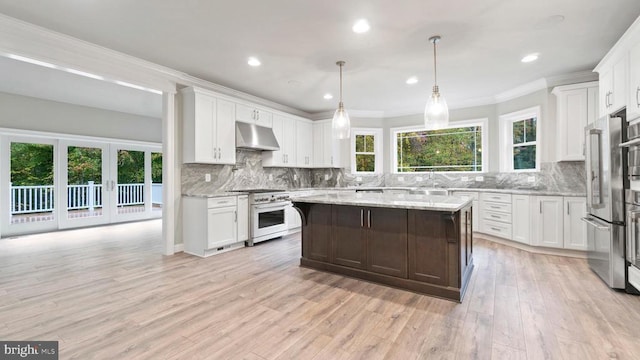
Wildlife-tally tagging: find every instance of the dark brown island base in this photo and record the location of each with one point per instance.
(422, 243)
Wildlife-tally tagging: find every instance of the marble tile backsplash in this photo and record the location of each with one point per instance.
(249, 173)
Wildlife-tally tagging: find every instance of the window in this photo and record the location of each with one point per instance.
(366, 149)
(519, 140)
(456, 148)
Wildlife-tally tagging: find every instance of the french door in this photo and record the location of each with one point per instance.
(48, 184)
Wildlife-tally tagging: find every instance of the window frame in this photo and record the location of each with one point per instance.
(482, 122)
(506, 138)
(377, 149)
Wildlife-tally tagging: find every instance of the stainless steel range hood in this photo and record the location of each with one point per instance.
(252, 136)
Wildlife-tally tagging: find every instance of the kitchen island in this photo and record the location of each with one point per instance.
(422, 243)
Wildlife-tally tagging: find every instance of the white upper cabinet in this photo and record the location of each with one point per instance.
(304, 144)
(326, 150)
(577, 106)
(284, 129)
(620, 75)
(633, 104)
(254, 115)
(208, 128)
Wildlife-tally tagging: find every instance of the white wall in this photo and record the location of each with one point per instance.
(27, 113)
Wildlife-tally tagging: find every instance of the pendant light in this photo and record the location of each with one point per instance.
(340, 125)
(436, 112)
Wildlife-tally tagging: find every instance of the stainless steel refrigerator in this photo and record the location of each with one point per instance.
(606, 178)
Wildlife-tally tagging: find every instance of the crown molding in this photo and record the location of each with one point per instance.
(572, 78)
(522, 90)
(623, 41)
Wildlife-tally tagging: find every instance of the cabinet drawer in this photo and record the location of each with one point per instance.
(497, 216)
(466, 195)
(496, 207)
(221, 201)
(502, 198)
(497, 229)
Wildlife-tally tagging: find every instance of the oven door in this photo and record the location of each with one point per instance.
(633, 232)
(268, 219)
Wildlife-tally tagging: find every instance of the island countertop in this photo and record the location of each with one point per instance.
(398, 201)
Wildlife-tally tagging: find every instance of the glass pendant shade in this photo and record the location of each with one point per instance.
(436, 112)
(341, 125)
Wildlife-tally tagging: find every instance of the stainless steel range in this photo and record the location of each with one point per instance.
(267, 214)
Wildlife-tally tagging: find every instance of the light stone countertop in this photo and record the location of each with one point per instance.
(398, 201)
(217, 194)
(503, 191)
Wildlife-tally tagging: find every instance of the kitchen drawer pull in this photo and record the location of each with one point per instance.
(361, 217)
(496, 229)
(637, 97)
(495, 207)
(495, 216)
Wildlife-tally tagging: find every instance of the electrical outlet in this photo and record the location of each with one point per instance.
(479, 178)
(419, 178)
(270, 177)
(326, 177)
(295, 177)
(401, 178)
(207, 177)
(531, 179)
(464, 178)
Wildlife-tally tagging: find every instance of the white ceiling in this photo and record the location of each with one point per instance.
(299, 42)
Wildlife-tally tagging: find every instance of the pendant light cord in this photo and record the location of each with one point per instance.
(341, 64)
(435, 65)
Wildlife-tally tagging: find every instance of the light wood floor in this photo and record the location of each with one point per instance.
(106, 293)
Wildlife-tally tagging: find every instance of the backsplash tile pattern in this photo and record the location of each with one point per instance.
(249, 173)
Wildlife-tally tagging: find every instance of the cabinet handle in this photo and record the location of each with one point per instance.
(495, 216)
(568, 211)
(540, 207)
(496, 229)
(331, 159)
(219, 153)
(235, 216)
(283, 158)
(361, 217)
(637, 97)
(369, 217)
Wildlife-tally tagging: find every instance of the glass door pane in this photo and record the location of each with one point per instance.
(84, 182)
(130, 184)
(32, 192)
(156, 184)
(85, 190)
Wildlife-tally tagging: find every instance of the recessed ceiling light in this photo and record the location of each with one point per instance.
(361, 26)
(328, 96)
(412, 80)
(253, 62)
(530, 58)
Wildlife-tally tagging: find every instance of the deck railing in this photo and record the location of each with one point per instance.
(40, 198)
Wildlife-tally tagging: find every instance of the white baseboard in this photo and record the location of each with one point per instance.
(533, 249)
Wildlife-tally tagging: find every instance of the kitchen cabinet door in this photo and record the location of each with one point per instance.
(317, 232)
(289, 141)
(633, 107)
(253, 115)
(199, 117)
(521, 219)
(276, 158)
(575, 230)
(387, 241)
(431, 254)
(476, 209)
(221, 226)
(348, 239)
(225, 132)
(576, 107)
(606, 90)
(304, 144)
(318, 145)
(548, 220)
(243, 218)
(620, 83)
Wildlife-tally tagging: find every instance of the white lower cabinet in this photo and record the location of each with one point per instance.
(521, 219)
(475, 221)
(495, 210)
(210, 225)
(243, 218)
(547, 221)
(294, 221)
(575, 230)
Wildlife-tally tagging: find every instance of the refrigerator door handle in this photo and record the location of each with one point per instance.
(632, 220)
(592, 222)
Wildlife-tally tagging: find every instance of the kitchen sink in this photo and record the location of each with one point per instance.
(429, 192)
